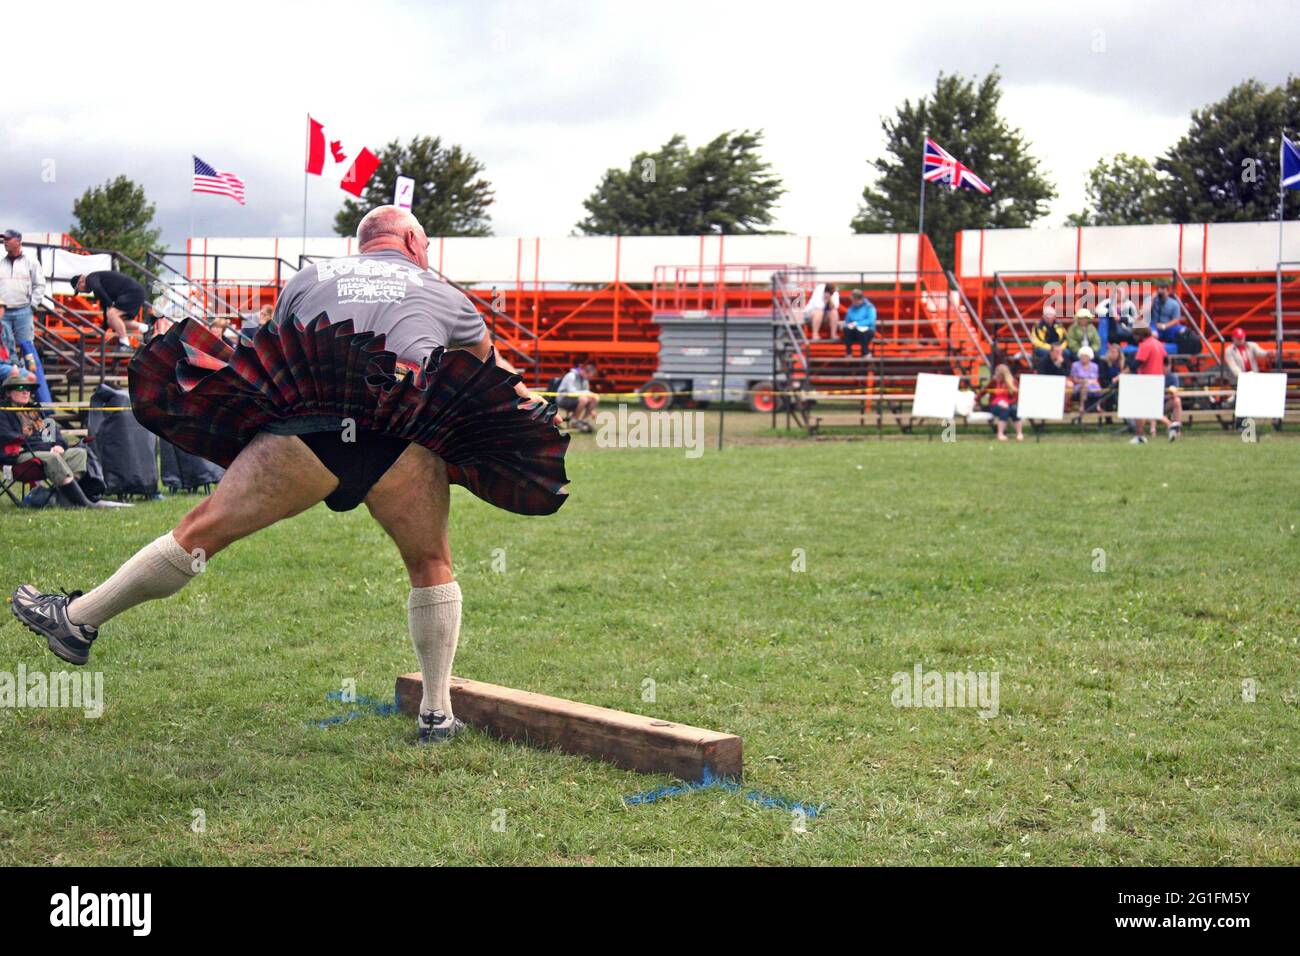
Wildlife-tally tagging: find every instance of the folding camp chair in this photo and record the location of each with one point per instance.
(30, 472)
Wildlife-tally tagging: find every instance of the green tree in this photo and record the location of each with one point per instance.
(721, 187)
(1123, 191)
(451, 195)
(962, 116)
(1225, 167)
(118, 217)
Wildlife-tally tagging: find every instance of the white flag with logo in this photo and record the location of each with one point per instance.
(404, 193)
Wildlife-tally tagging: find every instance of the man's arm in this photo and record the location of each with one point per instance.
(485, 351)
(10, 429)
(95, 287)
(38, 283)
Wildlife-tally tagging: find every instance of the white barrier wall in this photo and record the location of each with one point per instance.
(509, 261)
(1190, 248)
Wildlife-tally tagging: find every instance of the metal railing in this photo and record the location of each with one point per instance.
(972, 318)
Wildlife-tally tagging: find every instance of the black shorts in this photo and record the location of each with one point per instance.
(358, 465)
(130, 309)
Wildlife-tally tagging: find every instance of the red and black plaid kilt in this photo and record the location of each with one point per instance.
(209, 399)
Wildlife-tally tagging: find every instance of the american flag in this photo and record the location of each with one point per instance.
(940, 166)
(210, 180)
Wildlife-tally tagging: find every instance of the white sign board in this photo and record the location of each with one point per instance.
(1141, 397)
(63, 265)
(1261, 395)
(936, 396)
(404, 193)
(1042, 397)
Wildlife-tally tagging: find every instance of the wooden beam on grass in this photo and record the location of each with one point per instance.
(645, 744)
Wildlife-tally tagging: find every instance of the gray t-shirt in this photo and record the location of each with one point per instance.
(385, 292)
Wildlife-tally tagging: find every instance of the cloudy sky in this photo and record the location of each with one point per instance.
(550, 94)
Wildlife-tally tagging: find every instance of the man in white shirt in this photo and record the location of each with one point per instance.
(21, 287)
(575, 397)
(823, 305)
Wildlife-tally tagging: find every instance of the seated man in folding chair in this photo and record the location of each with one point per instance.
(30, 434)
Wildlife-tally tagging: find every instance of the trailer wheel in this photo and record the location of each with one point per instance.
(762, 397)
(657, 395)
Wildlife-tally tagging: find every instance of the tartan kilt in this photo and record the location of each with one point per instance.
(209, 399)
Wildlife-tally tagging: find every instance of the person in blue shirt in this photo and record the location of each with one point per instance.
(1166, 316)
(859, 324)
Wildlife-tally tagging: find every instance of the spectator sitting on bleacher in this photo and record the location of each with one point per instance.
(859, 324)
(1003, 405)
(1053, 361)
(222, 327)
(6, 366)
(1046, 333)
(1242, 356)
(1082, 332)
(1085, 380)
(29, 433)
(1166, 316)
(120, 296)
(575, 397)
(1109, 367)
(1116, 314)
(255, 320)
(824, 305)
(1151, 358)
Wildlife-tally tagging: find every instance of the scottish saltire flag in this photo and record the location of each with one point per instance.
(1290, 164)
(210, 180)
(941, 166)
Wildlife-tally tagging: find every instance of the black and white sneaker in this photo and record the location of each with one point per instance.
(437, 728)
(47, 615)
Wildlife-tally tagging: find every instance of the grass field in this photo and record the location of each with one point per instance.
(1121, 691)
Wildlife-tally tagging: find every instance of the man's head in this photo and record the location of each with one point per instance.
(1162, 291)
(1049, 313)
(1058, 352)
(19, 386)
(389, 227)
(78, 283)
(1083, 316)
(858, 297)
(13, 242)
(1239, 337)
(265, 314)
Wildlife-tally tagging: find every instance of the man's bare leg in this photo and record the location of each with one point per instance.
(117, 323)
(274, 477)
(411, 502)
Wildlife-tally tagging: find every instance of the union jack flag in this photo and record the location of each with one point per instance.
(941, 166)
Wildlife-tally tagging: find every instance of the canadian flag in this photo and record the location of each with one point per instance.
(363, 166)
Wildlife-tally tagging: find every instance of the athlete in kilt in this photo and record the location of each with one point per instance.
(377, 383)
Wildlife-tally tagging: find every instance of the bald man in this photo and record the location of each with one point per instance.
(303, 455)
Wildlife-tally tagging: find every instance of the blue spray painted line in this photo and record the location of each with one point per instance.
(710, 782)
(375, 708)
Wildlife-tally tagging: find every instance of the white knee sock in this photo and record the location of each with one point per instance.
(158, 570)
(434, 617)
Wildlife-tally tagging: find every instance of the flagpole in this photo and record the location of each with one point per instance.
(303, 251)
(1281, 209)
(920, 225)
